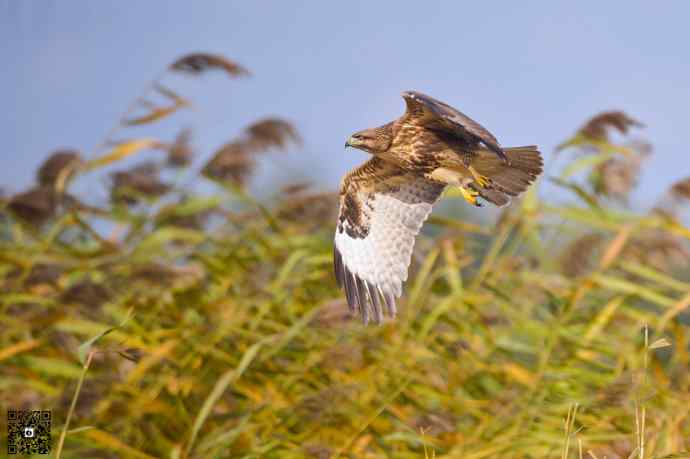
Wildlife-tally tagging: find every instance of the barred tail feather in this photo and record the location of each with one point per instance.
(507, 180)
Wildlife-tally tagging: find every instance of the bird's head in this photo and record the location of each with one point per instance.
(376, 140)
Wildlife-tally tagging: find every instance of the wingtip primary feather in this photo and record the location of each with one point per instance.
(375, 302)
(338, 266)
(390, 303)
(350, 292)
(362, 299)
(363, 296)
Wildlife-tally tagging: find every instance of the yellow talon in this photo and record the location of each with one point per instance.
(470, 196)
(481, 180)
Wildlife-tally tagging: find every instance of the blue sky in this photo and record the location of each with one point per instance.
(530, 71)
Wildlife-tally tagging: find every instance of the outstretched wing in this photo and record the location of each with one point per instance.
(426, 111)
(382, 209)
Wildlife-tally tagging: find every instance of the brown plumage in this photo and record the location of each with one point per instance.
(443, 145)
(384, 202)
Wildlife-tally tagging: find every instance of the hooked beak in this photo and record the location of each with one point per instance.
(347, 143)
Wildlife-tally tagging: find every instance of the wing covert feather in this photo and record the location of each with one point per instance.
(434, 114)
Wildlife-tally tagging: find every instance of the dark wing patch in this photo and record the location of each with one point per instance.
(431, 113)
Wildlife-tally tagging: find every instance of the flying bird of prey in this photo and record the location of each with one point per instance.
(385, 201)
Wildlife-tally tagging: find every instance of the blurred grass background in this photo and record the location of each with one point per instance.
(559, 330)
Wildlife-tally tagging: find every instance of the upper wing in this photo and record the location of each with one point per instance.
(382, 209)
(426, 111)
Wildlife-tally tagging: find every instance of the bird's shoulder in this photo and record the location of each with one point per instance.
(426, 112)
(374, 174)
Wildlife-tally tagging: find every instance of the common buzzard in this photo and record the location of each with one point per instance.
(385, 201)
